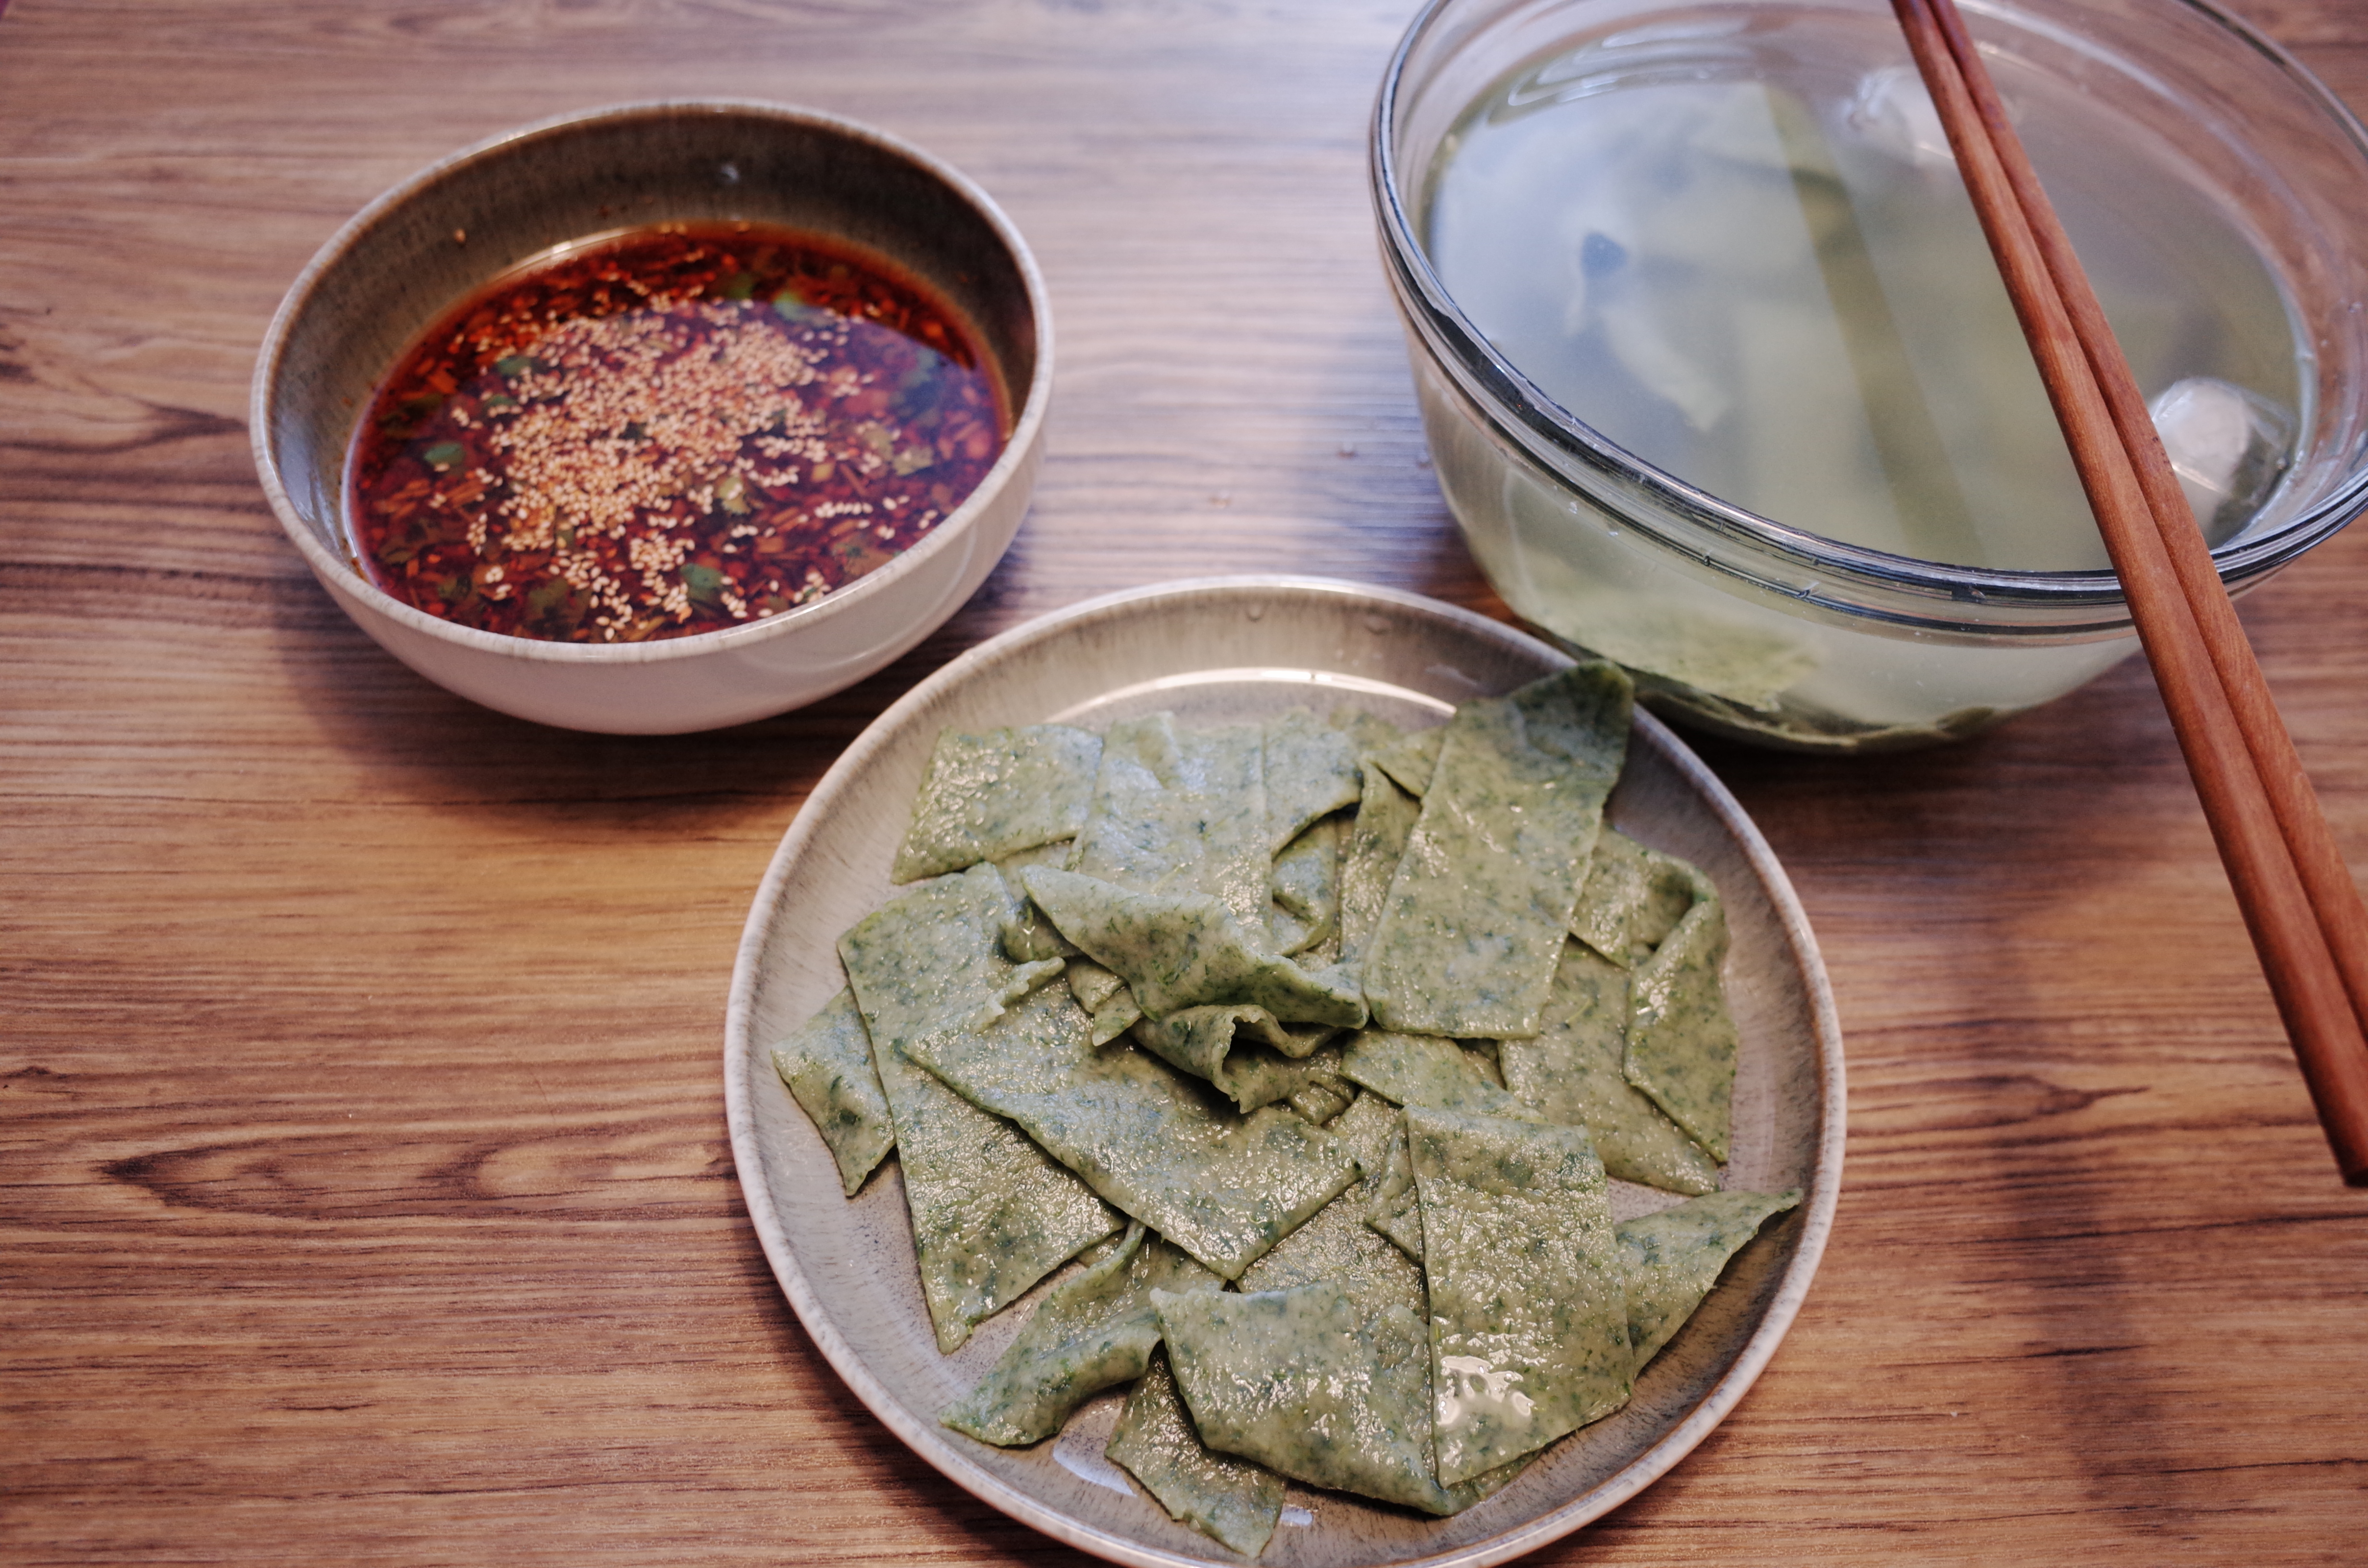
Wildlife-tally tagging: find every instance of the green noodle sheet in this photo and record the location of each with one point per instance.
(1180, 812)
(988, 796)
(1632, 898)
(1673, 1258)
(992, 1212)
(1529, 1309)
(1223, 1187)
(1090, 1333)
(1682, 1039)
(1230, 1500)
(1474, 921)
(1572, 1072)
(826, 1063)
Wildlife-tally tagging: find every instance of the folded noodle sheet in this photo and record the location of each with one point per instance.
(1223, 1187)
(1089, 1332)
(992, 1212)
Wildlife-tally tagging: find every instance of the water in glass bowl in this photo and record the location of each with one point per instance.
(1736, 245)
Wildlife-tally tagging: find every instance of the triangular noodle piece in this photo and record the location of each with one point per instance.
(1632, 898)
(826, 1066)
(1224, 1188)
(1230, 1500)
(988, 796)
(1572, 1072)
(1682, 1039)
(992, 1212)
(1674, 1257)
(1320, 1383)
(1337, 1244)
(1475, 919)
(1312, 1382)
(1528, 1314)
(1089, 1332)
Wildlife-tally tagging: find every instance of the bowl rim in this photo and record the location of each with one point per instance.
(1522, 413)
(343, 579)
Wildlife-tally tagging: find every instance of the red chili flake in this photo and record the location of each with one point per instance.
(671, 432)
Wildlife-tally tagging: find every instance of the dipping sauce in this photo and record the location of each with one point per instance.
(668, 432)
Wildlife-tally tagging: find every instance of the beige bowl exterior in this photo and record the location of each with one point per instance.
(426, 244)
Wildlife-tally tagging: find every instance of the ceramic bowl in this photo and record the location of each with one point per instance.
(411, 254)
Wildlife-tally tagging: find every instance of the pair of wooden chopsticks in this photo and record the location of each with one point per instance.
(2300, 904)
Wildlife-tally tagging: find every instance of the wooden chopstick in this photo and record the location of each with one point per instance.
(2326, 880)
(2307, 922)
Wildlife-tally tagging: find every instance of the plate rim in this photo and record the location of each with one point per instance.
(1817, 1208)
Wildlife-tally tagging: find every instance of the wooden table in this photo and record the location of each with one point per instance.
(363, 1182)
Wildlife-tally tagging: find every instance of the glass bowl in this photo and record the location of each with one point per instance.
(2164, 128)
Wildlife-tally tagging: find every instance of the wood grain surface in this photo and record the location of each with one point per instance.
(364, 1194)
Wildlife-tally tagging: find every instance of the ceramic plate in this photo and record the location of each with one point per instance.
(1227, 650)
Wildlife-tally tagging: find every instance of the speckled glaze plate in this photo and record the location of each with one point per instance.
(1237, 649)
